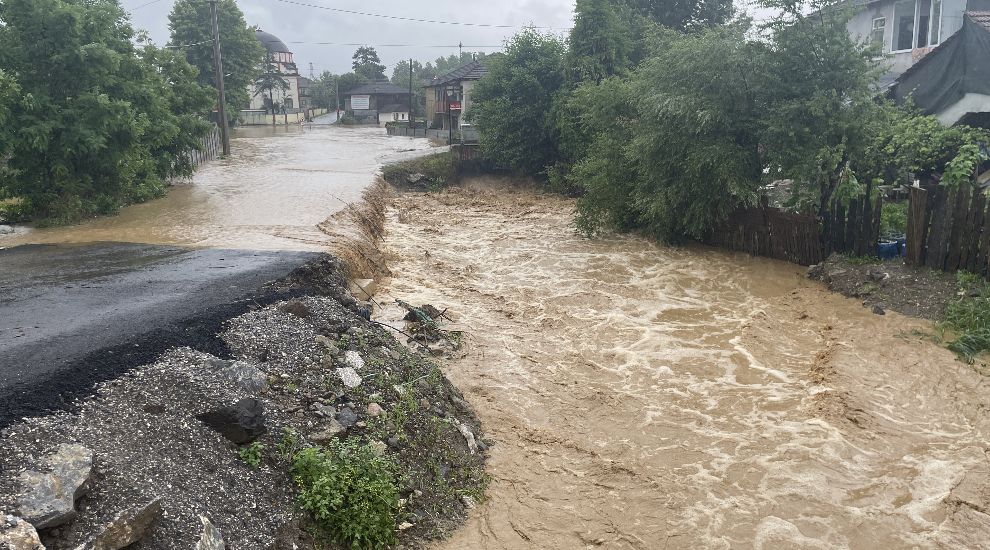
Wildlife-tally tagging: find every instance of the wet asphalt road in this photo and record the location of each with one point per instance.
(73, 307)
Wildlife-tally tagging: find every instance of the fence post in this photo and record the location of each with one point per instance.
(917, 226)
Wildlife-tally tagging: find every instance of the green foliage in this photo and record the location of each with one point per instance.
(351, 492)
(599, 44)
(688, 152)
(270, 81)
(968, 318)
(251, 454)
(367, 64)
(99, 124)
(893, 218)
(323, 91)
(437, 171)
(683, 14)
(512, 104)
(191, 28)
(962, 168)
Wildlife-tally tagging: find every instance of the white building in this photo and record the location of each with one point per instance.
(285, 67)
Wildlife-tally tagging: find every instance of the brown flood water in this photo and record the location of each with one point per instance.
(647, 397)
(273, 191)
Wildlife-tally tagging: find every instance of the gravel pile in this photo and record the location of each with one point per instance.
(148, 443)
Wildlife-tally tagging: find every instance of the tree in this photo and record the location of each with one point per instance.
(99, 124)
(367, 64)
(192, 32)
(682, 150)
(401, 77)
(324, 91)
(599, 43)
(269, 81)
(683, 14)
(512, 103)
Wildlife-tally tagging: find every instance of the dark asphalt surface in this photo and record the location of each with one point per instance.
(74, 315)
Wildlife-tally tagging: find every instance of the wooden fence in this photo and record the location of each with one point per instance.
(771, 232)
(949, 229)
(802, 238)
(211, 148)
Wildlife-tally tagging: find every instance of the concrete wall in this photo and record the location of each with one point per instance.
(250, 118)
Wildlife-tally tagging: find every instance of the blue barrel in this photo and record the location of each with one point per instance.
(888, 250)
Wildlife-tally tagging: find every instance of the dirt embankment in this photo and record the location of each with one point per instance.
(914, 291)
(648, 397)
(319, 370)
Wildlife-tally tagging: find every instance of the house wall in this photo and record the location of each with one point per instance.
(860, 27)
(386, 117)
(258, 99)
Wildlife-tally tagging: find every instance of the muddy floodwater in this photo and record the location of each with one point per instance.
(271, 194)
(639, 396)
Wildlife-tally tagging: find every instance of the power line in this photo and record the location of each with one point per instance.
(146, 4)
(411, 19)
(359, 44)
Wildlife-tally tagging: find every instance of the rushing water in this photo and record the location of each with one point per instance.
(647, 397)
(270, 194)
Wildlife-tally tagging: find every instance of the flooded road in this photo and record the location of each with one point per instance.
(645, 397)
(273, 191)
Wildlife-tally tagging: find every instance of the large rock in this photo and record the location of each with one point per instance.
(127, 528)
(211, 538)
(349, 377)
(17, 534)
(243, 375)
(49, 499)
(242, 422)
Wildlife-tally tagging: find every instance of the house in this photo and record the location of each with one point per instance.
(952, 82)
(378, 103)
(282, 64)
(909, 29)
(305, 98)
(448, 97)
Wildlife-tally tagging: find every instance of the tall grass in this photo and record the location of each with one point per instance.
(968, 317)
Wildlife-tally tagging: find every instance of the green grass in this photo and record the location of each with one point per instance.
(967, 319)
(252, 454)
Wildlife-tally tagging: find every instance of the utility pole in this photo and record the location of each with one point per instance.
(410, 93)
(336, 94)
(218, 71)
(460, 51)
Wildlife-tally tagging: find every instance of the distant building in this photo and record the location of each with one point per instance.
(377, 103)
(285, 67)
(448, 97)
(908, 29)
(952, 82)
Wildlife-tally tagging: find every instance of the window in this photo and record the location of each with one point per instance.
(879, 26)
(917, 24)
(903, 26)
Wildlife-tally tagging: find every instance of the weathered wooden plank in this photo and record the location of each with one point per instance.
(971, 237)
(934, 257)
(917, 226)
(959, 212)
(852, 224)
(874, 236)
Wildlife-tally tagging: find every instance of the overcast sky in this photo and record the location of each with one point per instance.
(296, 23)
(300, 27)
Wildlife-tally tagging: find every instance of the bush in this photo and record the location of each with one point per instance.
(893, 218)
(438, 170)
(351, 492)
(969, 317)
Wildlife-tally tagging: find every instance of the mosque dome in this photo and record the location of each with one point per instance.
(271, 42)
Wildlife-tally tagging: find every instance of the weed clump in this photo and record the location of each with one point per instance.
(431, 173)
(968, 317)
(351, 492)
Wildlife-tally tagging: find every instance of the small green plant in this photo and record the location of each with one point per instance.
(967, 318)
(351, 492)
(251, 454)
(893, 218)
(289, 444)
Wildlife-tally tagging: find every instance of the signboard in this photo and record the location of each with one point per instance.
(360, 102)
(455, 105)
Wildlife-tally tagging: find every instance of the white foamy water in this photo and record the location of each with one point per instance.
(648, 397)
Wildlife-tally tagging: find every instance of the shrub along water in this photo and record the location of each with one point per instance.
(90, 121)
